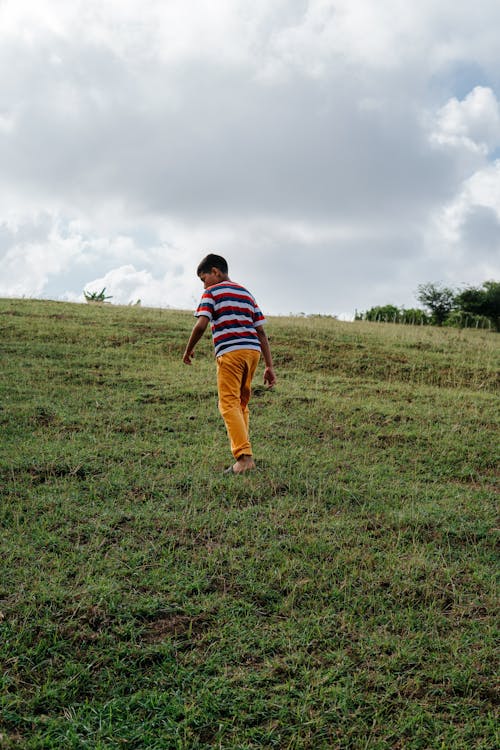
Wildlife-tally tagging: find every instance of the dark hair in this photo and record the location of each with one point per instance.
(212, 261)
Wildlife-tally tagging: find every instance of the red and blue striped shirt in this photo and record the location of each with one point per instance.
(234, 317)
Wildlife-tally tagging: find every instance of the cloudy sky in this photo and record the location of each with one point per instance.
(337, 152)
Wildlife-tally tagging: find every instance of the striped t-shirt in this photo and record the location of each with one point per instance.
(234, 316)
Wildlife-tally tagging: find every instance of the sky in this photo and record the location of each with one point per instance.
(338, 153)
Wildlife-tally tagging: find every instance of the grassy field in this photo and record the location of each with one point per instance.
(343, 596)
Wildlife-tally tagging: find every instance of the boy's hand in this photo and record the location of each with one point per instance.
(188, 356)
(196, 334)
(269, 377)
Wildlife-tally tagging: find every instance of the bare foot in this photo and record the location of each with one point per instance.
(243, 464)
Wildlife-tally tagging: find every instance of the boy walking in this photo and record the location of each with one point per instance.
(239, 339)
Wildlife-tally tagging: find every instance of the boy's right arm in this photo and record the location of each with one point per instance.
(196, 334)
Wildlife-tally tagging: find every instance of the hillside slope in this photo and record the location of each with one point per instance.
(340, 597)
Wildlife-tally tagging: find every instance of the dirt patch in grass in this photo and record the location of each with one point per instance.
(176, 625)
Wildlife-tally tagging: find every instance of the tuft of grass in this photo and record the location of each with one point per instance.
(343, 596)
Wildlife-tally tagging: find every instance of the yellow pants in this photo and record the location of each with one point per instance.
(235, 371)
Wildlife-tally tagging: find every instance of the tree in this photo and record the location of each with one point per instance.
(384, 314)
(440, 300)
(482, 301)
(414, 316)
(393, 314)
(460, 319)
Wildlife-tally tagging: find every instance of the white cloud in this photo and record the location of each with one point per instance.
(480, 191)
(473, 123)
(7, 124)
(483, 189)
(128, 285)
(464, 239)
(29, 262)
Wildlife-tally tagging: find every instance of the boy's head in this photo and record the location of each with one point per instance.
(212, 269)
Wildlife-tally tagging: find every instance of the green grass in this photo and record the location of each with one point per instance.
(343, 596)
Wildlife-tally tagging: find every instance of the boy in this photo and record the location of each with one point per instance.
(239, 338)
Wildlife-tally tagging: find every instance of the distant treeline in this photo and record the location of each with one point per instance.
(417, 317)
(474, 307)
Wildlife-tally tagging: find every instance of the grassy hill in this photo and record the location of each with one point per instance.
(343, 596)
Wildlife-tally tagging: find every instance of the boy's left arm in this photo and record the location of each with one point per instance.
(269, 374)
(196, 334)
